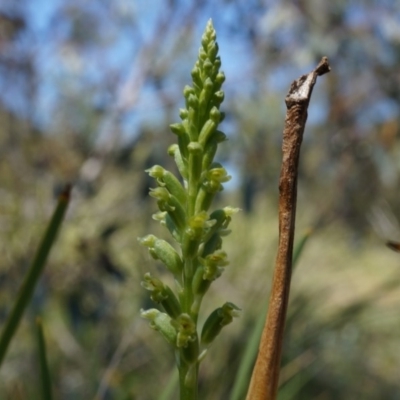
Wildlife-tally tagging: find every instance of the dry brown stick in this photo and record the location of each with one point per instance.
(264, 381)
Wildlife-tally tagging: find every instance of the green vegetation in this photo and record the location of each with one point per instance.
(184, 209)
(28, 286)
(342, 328)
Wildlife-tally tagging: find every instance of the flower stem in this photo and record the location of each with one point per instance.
(188, 384)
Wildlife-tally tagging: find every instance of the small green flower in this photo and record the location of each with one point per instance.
(169, 181)
(161, 322)
(219, 318)
(213, 264)
(161, 293)
(169, 203)
(186, 329)
(161, 250)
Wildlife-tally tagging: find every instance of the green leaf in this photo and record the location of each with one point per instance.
(28, 286)
(44, 368)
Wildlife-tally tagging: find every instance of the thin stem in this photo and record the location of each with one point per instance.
(264, 381)
(187, 286)
(188, 387)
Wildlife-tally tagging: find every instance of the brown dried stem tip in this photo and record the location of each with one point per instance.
(264, 381)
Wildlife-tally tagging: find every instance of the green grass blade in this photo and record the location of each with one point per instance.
(247, 361)
(34, 272)
(44, 368)
(171, 387)
(300, 247)
(250, 353)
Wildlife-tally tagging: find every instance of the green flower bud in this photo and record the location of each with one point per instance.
(210, 150)
(174, 151)
(193, 234)
(171, 304)
(186, 329)
(199, 284)
(188, 91)
(212, 50)
(221, 219)
(177, 128)
(175, 232)
(215, 115)
(208, 85)
(217, 320)
(162, 294)
(183, 138)
(195, 160)
(190, 246)
(214, 179)
(165, 220)
(204, 199)
(219, 136)
(168, 180)
(161, 322)
(191, 128)
(148, 240)
(160, 194)
(156, 171)
(212, 34)
(213, 187)
(160, 217)
(219, 98)
(190, 352)
(155, 286)
(193, 102)
(207, 67)
(219, 80)
(212, 244)
(208, 129)
(204, 99)
(229, 212)
(183, 113)
(170, 204)
(213, 264)
(216, 67)
(202, 54)
(163, 251)
(196, 76)
(219, 216)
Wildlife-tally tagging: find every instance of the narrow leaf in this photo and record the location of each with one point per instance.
(44, 368)
(34, 272)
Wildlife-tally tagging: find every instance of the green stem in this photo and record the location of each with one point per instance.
(34, 272)
(192, 195)
(188, 388)
(187, 298)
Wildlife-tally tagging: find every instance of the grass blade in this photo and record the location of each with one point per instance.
(300, 247)
(247, 360)
(44, 368)
(171, 386)
(34, 272)
(250, 352)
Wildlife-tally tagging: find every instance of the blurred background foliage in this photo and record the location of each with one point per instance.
(87, 91)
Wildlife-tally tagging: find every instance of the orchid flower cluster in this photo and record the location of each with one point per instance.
(184, 209)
